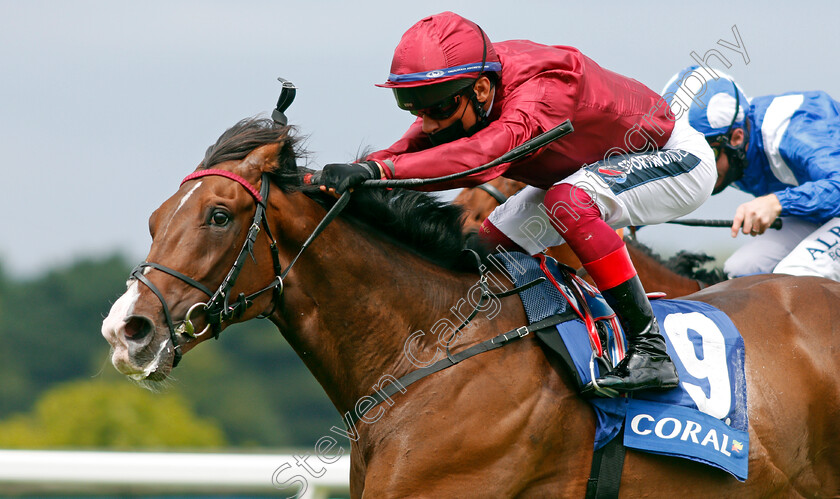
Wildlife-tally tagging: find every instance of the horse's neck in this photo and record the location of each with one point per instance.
(657, 277)
(351, 303)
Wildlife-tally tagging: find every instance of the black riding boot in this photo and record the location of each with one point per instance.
(647, 364)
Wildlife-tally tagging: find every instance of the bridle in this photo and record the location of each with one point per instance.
(219, 307)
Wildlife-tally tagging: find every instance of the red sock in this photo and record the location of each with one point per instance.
(577, 218)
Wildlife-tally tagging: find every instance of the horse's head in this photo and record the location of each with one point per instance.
(209, 262)
(479, 201)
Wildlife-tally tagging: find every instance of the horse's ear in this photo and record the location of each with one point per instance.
(263, 158)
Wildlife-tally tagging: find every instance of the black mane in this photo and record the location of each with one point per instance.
(413, 219)
(685, 263)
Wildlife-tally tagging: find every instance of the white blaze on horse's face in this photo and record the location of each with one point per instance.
(180, 204)
(132, 353)
(113, 328)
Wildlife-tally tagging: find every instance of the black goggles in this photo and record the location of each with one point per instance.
(717, 144)
(442, 110)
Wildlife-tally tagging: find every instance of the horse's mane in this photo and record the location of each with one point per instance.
(413, 219)
(685, 263)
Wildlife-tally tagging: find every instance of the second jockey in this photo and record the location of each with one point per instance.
(627, 163)
(784, 150)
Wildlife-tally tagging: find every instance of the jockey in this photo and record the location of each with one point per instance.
(627, 162)
(785, 149)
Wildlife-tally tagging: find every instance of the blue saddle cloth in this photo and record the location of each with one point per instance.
(704, 419)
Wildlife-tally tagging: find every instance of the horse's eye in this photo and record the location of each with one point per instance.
(220, 218)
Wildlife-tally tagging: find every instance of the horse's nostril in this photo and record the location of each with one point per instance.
(137, 328)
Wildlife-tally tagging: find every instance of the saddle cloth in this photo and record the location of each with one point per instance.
(704, 419)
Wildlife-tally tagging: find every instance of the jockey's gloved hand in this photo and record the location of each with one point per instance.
(343, 176)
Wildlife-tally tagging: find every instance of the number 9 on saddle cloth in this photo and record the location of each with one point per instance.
(704, 419)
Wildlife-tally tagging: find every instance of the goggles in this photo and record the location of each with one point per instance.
(438, 101)
(442, 110)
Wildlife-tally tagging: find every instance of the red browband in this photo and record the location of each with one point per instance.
(224, 173)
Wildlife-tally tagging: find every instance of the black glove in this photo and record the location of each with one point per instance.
(343, 176)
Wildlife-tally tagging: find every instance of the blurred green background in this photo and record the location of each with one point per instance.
(58, 389)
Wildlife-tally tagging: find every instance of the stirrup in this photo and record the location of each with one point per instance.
(592, 388)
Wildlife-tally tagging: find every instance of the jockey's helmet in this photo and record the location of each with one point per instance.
(716, 105)
(439, 57)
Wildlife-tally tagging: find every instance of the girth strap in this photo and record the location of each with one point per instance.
(605, 475)
(499, 341)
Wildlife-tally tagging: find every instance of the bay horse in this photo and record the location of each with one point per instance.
(507, 423)
(479, 201)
